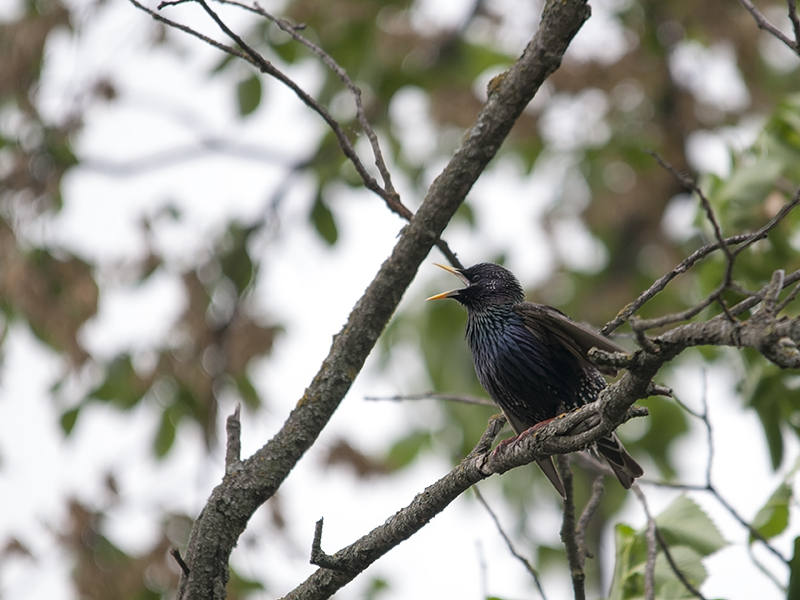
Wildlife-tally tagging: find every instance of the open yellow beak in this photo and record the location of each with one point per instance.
(451, 293)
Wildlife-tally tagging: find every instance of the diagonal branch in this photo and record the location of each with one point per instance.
(344, 565)
(568, 433)
(232, 503)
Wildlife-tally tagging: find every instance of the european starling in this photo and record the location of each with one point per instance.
(532, 359)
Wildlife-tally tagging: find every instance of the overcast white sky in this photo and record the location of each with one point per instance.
(168, 102)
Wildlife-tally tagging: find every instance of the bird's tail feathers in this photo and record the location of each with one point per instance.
(549, 469)
(614, 454)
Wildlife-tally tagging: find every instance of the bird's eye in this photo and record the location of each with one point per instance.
(476, 278)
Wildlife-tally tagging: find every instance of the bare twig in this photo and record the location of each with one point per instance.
(210, 41)
(764, 24)
(674, 566)
(769, 301)
(587, 514)
(253, 57)
(743, 522)
(749, 303)
(705, 417)
(436, 396)
(176, 555)
(692, 186)
(318, 556)
(763, 568)
(742, 242)
(788, 300)
(709, 431)
(662, 282)
(509, 543)
(287, 27)
(652, 548)
(249, 54)
(168, 158)
(233, 446)
(569, 531)
(709, 487)
(792, 6)
(652, 535)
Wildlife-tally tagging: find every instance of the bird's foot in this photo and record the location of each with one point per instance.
(539, 425)
(500, 448)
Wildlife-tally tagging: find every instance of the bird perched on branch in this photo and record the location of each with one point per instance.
(532, 359)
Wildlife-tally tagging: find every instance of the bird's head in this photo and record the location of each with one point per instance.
(487, 285)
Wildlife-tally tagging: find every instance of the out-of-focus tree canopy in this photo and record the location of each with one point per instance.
(697, 84)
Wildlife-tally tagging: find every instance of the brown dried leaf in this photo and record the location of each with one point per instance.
(55, 296)
(342, 453)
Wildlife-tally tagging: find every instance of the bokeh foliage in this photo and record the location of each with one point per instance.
(389, 49)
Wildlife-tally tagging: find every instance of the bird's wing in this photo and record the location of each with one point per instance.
(552, 326)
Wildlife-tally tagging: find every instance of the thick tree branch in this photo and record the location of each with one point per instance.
(569, 433)
(232, 503)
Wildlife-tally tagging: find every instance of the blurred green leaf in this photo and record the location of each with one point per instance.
(465, 213)
(165, 436)
(769, 391)
(248, 94)
(122, 385)
(69, 418)
(406, 449)
(666, 424)
(376, 588)
(690, 536)
(747, 187)
(323, 221)
(235, 259)
(683, 523)
(689, 563)
(548, 556)
(240, 586)
(627, 579)
(794, 572)
(773, 518)
(247, 391)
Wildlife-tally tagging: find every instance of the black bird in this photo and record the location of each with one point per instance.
(532, 359)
